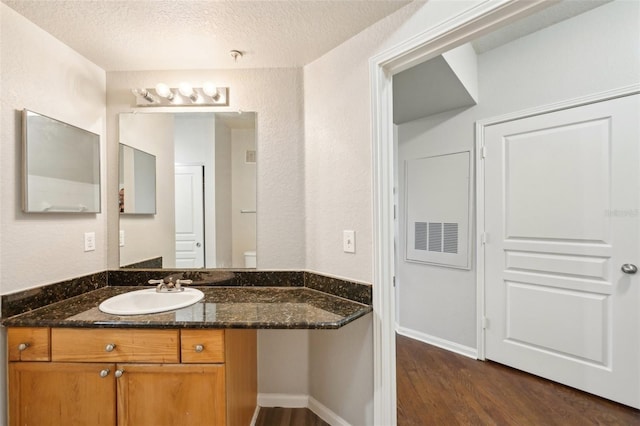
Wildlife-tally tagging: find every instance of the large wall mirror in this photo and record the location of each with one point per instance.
(205, 178)
(61, 166)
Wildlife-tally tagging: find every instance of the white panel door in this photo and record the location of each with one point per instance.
(562, 214)
(189, 217)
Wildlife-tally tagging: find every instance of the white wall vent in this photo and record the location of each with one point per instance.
(450, 238)
(441, 237)
(437, 209)
(421, 235)
(435, 236)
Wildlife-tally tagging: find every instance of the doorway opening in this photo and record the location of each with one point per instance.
(384, 67)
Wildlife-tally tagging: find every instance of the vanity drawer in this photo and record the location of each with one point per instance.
(202, 346)
(115, 345)
(28, 344)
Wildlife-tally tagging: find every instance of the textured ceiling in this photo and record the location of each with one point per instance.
(181, 34)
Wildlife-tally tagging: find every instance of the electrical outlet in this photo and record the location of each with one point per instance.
(349, 241)
(89, 241)
(121, 239)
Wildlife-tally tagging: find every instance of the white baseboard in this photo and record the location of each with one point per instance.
(325, 414)
(300, 401)
(437, 341)
(283, 400)
(254, 419)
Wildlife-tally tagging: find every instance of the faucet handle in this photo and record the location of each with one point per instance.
(179, 282)
(155, 281)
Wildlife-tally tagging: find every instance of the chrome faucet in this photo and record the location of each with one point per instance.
(168, 285)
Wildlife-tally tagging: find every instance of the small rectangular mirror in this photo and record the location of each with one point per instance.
(137, 181)
(61, 166)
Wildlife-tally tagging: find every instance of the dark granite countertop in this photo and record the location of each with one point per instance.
(222, 307)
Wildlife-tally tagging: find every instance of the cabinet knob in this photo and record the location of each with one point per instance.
(119, 373)
(199, 348)
(23, 346)
(104, 373)
(110, 347)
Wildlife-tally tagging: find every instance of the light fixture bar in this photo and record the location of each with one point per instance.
(163, 96)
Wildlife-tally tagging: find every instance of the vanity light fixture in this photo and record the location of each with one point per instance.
(184, 95)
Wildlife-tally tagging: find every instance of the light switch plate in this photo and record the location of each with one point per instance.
(349, 241)
(89, 241)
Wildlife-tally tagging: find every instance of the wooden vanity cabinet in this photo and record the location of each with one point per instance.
(61, 393)
(132, 377)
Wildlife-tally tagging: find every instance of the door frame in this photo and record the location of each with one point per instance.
(477, 20)
(480, 178)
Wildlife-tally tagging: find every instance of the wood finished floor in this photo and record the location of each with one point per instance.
(441, 388)
(438, 387)
(277, 416)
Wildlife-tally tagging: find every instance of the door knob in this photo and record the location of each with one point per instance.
(198, 245)
(629, 268)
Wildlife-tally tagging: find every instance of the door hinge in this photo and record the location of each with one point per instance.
(394, 211)
(483, 238)
(483, 152)
(394, 281)
(485, 323)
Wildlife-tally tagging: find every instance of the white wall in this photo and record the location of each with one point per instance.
(338, 191)
(42, 74)
(576, 57)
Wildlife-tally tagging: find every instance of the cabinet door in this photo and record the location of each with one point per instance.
(44, 393)
(171, 394)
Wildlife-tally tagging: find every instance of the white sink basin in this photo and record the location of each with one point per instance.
(150, 301)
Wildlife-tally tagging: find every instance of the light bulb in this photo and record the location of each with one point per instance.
(185, 89)
(211, 90)
(164, 91)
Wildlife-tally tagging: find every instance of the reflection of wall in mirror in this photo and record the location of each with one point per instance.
(150, 236)
(244, 195)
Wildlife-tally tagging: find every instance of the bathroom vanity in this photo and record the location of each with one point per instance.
(70, 363)
(131, 376)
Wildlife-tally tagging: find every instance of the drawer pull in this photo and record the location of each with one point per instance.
(110, 347)
(23, 346)
(104, 373)
(119, 373)
(199, 348)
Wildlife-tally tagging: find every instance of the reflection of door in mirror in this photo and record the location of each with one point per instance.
(222, 146)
